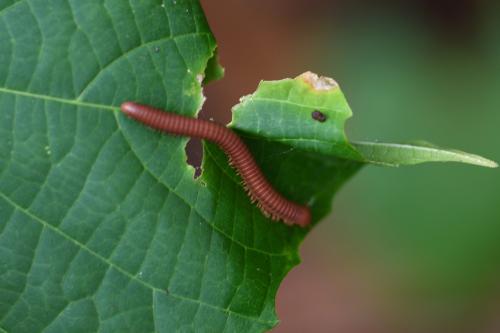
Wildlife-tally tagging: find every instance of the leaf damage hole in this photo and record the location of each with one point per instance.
(194, 152)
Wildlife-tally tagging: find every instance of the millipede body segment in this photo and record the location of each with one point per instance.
(272, 203)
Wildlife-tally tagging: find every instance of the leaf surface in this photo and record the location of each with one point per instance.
(102, 225)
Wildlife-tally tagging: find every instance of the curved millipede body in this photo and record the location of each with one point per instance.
(268, 199)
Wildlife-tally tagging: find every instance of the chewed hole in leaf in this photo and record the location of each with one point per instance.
(194, 153)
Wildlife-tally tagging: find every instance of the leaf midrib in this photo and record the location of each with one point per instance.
(57, 99)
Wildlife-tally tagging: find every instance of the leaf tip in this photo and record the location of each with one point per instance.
(415, 153)
(474, 159)
(487, 163)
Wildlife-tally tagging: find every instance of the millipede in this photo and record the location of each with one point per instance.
(271, 202)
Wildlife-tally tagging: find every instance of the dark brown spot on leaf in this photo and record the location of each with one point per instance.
(319, 116)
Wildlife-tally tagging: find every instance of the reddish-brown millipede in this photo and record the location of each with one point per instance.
(271, 203)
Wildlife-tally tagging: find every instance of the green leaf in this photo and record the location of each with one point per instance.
(395, 154)
(281, 111)
(102, 225)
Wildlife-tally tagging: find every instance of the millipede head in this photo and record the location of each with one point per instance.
(130, 108)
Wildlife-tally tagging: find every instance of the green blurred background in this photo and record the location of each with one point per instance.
(410, 249)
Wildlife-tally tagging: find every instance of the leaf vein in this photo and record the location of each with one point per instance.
(93, 80)
(118, 268)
